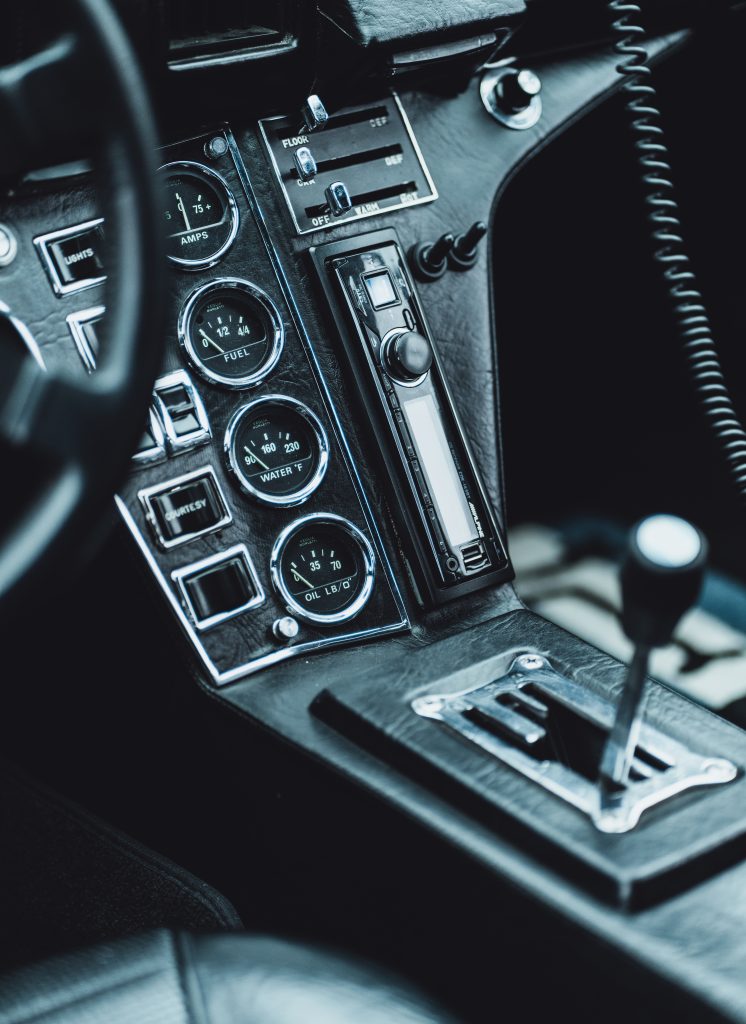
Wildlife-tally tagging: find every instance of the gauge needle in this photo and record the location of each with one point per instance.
(255, 456)
(180, 206)
(213, 343)
(302, 578)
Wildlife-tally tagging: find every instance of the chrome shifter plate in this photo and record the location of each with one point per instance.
(511, 719)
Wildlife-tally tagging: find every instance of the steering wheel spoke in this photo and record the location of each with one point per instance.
(48, 107)
(54, 417)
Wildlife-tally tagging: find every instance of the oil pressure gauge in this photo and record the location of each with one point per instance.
(200, 212)
(324, 568)
(277, 449)
(232, 332)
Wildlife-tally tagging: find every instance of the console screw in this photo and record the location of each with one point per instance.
(530, 662)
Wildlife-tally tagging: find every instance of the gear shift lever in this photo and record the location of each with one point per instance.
(661, 579)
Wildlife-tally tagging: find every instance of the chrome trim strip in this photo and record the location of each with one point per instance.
(181, 443)
(239, 672)
(321, 383)
(150, 456)
(219, 182)
(41, 242)
(369, 566)
(179, 577)
(322, 451)
(76, 322)
(184, 326)
(352, 215)
(146, 495)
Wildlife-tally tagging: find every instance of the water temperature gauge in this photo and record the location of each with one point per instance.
(324, 568)
(277, 449)
(231, 332)
(200, 212)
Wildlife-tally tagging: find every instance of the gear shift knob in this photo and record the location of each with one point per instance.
(661, 578)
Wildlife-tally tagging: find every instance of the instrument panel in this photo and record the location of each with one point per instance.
(250, 511)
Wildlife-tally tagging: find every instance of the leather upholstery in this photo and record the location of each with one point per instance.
(162, 978)
(381, 22)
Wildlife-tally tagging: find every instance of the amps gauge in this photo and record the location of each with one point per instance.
(448, 532)
(200, 212)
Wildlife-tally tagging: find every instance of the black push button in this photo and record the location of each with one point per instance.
(220, 590)
(77, 257)
(186, 509)
(182, 411)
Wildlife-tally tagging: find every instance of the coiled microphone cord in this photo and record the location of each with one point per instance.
(663, 213)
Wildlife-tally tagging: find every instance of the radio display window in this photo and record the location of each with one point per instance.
(444, 484)
(381, 289)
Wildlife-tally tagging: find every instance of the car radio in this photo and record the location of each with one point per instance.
(448, 532)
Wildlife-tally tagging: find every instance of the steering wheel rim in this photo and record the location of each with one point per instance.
(88, 427)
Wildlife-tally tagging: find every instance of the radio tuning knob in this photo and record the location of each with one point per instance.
(408, 356)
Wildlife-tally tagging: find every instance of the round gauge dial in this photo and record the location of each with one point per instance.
(232, 332)
(278, 450)
(200, 214)
(324, 568)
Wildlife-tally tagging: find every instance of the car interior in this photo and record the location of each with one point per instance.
(372, 559)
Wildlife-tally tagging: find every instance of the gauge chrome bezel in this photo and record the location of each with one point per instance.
(369, 568)
(322, 449)
(185, 335)
(216, 181)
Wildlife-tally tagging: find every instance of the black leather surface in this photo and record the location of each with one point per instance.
(161, 978)
(376, 22)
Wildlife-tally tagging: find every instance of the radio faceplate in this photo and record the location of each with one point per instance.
(448, 532)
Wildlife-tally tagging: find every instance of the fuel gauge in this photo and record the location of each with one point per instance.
(232, 332)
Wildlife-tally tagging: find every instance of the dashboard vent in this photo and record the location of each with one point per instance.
(218, 30)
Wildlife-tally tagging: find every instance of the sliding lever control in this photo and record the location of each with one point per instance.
(661, 579)
(305, 164)
(314, 115)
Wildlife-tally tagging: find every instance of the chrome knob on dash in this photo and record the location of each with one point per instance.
(314, 114)
(305, 163)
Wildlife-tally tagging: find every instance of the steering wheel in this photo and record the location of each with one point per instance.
(81, 94)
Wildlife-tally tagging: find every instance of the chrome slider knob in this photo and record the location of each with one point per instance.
(515, 91)
(338, 197)
(314, 114)
(305, 163)
(662, 575)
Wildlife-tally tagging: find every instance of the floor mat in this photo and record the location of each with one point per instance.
(570, 575)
